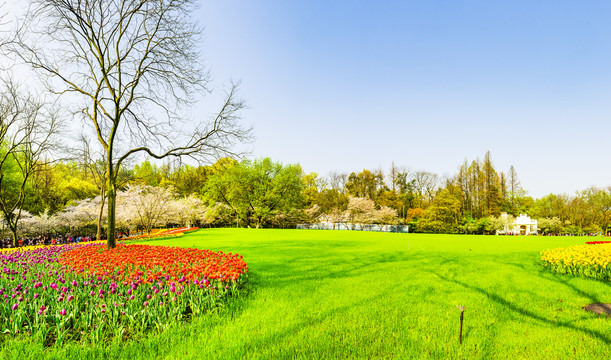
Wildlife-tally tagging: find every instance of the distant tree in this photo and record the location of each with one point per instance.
(385, 215)
(256, 190)
(445, 209)
(360, 210)
(312, 186)
(187, 211)
(549, 225)
(28, 131)
(599, 201)
(363, 184)
(426, 184)
(337, 181)
(150, 206)
(514, 187)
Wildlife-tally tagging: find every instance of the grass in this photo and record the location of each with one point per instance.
(338, 294)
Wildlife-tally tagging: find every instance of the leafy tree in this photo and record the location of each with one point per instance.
(256, 190)
(549, 225)
(363, 184)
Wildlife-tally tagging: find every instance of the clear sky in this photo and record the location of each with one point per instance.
(348, 85)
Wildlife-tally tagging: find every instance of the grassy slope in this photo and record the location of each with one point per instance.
(337, 294)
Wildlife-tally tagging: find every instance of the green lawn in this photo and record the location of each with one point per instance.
(339, 294)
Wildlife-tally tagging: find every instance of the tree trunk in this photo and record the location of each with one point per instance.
(111, 240)
(15, 237)
(100, 214)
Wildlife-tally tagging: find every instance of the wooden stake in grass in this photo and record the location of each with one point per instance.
(462, 312)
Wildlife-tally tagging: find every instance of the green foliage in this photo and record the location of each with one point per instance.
(148, 174)
(365, 184)
(256, 191)
(549, 225)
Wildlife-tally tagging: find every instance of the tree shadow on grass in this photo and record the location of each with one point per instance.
(512, 307)
(561, 279)
(315, 268)
(312, 321)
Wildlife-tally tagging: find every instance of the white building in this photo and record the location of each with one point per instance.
(523, 225)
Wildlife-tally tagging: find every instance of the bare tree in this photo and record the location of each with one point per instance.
(426, 185)
(134, 69)
(338, 181)
(27, 133)
(513, 186)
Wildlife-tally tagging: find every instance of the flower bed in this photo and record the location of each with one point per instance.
(161, 234)
(74, 291)
(580, 260)
(597, 242)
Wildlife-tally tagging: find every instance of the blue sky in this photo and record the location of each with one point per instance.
(348, 85)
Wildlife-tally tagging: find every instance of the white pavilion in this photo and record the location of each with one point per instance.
(523, 225)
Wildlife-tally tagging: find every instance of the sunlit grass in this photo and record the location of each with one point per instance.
(337, 294)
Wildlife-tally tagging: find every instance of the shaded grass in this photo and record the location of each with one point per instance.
(337, 294)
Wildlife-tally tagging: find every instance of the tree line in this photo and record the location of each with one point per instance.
(264, 193)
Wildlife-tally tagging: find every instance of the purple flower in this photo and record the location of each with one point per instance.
(62, 312)
(132, 297)
(146, 303)
(70, 297)
(129, 291)
(148, 297)
(53, 286)
(92, 293)
(172, 289)
(35, 296)
(14, 307)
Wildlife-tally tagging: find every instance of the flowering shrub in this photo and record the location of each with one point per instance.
(87, 290)
(581, 260)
